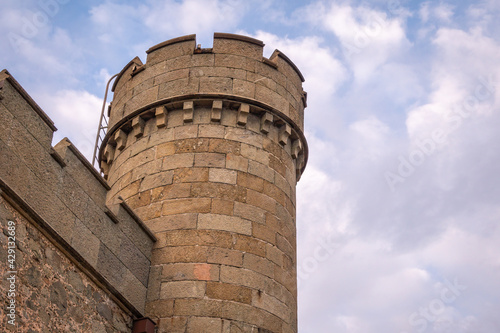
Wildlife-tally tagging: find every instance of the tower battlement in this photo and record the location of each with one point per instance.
(234, 66)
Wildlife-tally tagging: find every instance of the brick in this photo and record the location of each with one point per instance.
(188, 205)
(214, 160)
(249, 212)
(224, 207)
(156, 180)
(190, 271)
(204, 325)
(190, 175)
(217, 255)
(182, 289)
(178, 161)
(229, 292)
(222, 176)
(224, 222)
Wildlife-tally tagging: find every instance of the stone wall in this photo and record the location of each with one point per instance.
(64, 197)
(53, 295)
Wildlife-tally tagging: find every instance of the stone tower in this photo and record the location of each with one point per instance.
(206, 145)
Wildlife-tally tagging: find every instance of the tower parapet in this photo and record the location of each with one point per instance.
(206, 145)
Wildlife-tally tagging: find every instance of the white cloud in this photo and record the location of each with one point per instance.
(76, 114)
(369, 37)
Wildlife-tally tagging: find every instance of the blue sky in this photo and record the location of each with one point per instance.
(398, 213)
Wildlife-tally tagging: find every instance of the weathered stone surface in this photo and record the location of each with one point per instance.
(52, 292)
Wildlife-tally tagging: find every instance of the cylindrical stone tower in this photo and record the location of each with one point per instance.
(206, 146)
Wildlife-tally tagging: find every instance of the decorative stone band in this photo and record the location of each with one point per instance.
(289, 136)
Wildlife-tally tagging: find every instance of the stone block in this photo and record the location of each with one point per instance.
(186, 205)
(223, 207)
(236, 162)
(170, 75)
(172, 324)
(194, 145)
(261, 170)
(250, 181)
(190, 175)
(217, 175)
(198, 237)
(249, 244)
(263, 232)
(180, 254)
(215, 160)
(211, 131)
(221, 85)
(274, 254)
(173, 222)
(204, 325)
(250, 212)
(255, 154)
(178, 161)
(224, 146)
(229, 292)
(190, 271)
(217, 255)
(224, 222)
(173, 191)
(160, 308)
(216, 112)
(259, 264)
(157, 180)
(182, 289)
(185, 132)
(243, 88)
(272, 305)
(243, 135)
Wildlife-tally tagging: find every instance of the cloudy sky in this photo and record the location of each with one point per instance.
(398, 213)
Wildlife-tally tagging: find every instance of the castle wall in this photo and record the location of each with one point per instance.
(62, 198)
(206, 145)
(53, 294)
